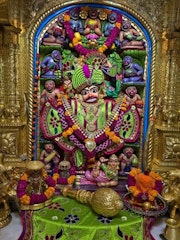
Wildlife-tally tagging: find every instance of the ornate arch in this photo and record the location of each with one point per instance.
(35, 34)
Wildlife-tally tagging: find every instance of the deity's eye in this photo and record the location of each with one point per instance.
(84, 92)
(94, 90)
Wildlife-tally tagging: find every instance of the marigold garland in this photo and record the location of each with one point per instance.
(35, 198)
(144, 183)
(76, 37)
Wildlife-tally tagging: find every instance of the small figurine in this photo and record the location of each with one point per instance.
(129, 37)
(171, 193)
(75, 22)
(66, 173)
(133, 98)
(50, 92)
(50, 158)
(132, 72)
(127, 159)
(50, 64)
(55, 35)
(92, 25)
(112, 17)
(66, 87)
(105, 172)
(35, 188)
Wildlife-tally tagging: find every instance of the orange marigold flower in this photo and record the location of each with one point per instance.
(116, 139)
(134, 172)
(49, 192)
(24, 177)
(66, 113)
(59, 102)
(123, 108)
(75, 41)
(71, 179)
(75, 127)
(154, 193)
(66, 17)
(69, 131)
(118, 25)
(134, 190)
(44, 174)
(116, 117)
(102, 48)
(25, 199)
(107, 130)
(111, 135)
(55, 176)
(64, 134)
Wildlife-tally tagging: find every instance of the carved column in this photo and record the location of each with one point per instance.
(11, 124)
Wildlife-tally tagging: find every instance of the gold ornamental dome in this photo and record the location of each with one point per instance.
(34, 165)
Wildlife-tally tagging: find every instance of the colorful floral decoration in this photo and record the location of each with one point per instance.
(76, 38)
(144, 186)
(144, 195)
(32, 199)
(101, 141)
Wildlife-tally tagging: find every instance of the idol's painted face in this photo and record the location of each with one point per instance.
(90, 94)
(49, 86)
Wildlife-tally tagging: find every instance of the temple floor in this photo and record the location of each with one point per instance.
(13, 230)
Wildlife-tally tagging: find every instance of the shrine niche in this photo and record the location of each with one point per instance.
(27, 40)
(91, 89)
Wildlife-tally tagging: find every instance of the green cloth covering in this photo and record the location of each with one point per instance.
(67, 219)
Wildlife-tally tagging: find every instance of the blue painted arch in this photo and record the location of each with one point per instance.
(145, 32)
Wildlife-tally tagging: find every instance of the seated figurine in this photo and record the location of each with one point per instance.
(132, 72)
(127, 159)
(105, 172)
(112, 18)
(92, 25)
(75, 22)
(66, 173)
(55, 35)
(50, 92)
(129, 37)
(133, 98)
(50, 157)
(50, 64)
(35, 187)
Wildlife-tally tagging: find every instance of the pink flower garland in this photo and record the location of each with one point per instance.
(34, 198)
(78, 45)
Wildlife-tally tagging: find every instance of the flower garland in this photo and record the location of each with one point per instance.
(102, 139)
(35, 198)
(76, 37)
(145, 186)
